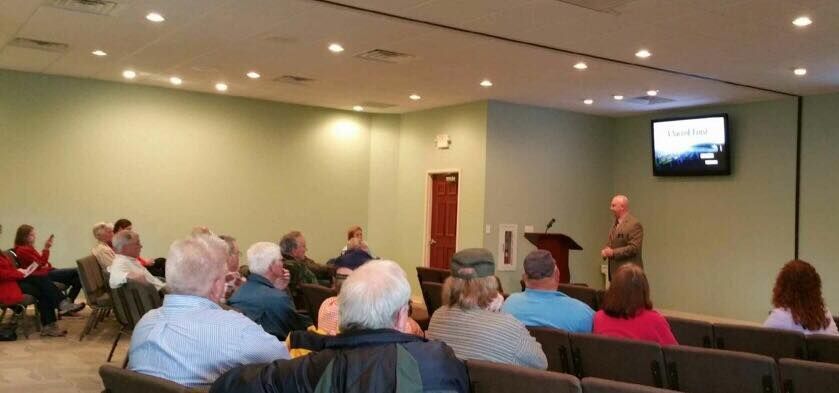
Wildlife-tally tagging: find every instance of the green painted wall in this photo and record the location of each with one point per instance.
(713, 245)
(820, 191)
(78, 151)
(544, 163)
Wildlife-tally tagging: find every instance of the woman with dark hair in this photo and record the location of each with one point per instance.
(798, 301)
(122, 224)
(14, 282)
(627, 310)
(27, 255)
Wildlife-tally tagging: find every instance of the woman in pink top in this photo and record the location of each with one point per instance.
(627, 311)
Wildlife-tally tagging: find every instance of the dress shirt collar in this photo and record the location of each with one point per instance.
(261, 280)
(189, 301)
(543, 292)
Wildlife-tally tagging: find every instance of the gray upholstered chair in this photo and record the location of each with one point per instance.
(131, 301)
(597, 385)
(314, 295)
(489, 377)
(800, 376)
(557, 347)
(704, 370)
(432, 294)
(823, 348)
(618, 359)
(692, 332)
(96, 292)
(775, 343)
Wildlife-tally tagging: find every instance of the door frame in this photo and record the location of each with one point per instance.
(426, 236)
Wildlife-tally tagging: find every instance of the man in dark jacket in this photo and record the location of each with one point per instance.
(369, 356)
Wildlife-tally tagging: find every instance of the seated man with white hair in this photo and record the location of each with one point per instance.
(263, 298)
(125, 265)
(370, 354)
(104, 249)
(191, 340)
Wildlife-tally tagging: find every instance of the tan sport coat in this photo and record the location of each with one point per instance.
(625, 239)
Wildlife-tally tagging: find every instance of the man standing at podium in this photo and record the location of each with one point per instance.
(625, 237)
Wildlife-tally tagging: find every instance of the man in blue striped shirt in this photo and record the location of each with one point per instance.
(190, 339)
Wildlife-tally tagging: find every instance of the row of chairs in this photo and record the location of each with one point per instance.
(775, 343)
(677, 367)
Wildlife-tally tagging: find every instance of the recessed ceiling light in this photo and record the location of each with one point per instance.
(588, 101)
(581, 66)
(253, 75)
(358, 108)
(617, 97)
(643, 53)
(129, 74)
(221, 86)
(652, 93)
(414, 97)
(99, 52)
(802, 21)
(486, 83)
(176, 81)
(336, 48)
(155, 17)
(800, 71)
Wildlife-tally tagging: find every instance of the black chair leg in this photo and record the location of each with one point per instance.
(125, 362)
(114, 347)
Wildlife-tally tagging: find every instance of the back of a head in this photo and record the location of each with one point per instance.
(101, 227)
(539, 264)
(121, 224)
(472, 283)
(123, 238)
(372, 296)
(799, 289)
(194, 264)
(261, 255)
(628, 294)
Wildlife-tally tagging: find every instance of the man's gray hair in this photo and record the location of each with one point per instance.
(372, 296)
(101, 226)
(539, 264)
(289, 242)
(261, 255)
(124, 238)
(194, 264)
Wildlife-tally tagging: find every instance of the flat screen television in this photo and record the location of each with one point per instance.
(691, 146)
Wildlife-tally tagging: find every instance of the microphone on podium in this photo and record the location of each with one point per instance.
(550, 224)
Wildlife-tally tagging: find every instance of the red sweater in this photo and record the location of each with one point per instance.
(9, 276)
(648, 325)
(26, 255)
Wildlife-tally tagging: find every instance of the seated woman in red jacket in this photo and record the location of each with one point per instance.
(627, 311)
(27, 254)
(14, 283)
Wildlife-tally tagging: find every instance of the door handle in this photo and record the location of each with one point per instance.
(432, 242)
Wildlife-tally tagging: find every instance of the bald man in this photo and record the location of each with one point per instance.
(625, 237)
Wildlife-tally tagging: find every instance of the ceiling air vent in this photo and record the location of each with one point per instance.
(48, 46)
(386, 56)
(650, 100)
(294, 79)
(98, 7)
(376, 105)
(604, 6)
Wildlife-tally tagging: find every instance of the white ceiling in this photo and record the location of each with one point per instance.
(205, 41)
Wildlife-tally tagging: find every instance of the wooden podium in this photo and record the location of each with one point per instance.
(558, 245)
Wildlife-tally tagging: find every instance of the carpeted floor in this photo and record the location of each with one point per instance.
(60, 364)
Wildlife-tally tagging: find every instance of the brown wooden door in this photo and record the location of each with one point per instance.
(443, 237)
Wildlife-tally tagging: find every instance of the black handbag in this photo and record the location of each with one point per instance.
(7, 332)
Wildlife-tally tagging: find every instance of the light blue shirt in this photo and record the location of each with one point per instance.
(192, 341)
(554, 309)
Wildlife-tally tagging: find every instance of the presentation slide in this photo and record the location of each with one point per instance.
(690, 146)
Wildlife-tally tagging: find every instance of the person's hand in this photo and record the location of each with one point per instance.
(607, 252)
(22, 271)
(282, 282)
(49, 241)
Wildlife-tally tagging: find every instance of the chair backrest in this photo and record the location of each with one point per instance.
(618, 359)
(692, 332)
(557, 347)
(133, 300)
(704, 370)
(597, 385)
(431, 274)
(93, 281)
(12, 255)
(774, 343)
(432, 293)
(823, 348)
(315, 295)
(584, 294)
(118, 380)
(489, 377)
(800, 376)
